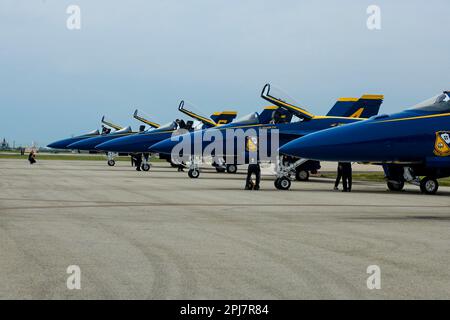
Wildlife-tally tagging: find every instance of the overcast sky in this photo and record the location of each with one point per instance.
(218, 54)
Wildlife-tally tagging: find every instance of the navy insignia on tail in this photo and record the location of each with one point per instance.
(442, 144)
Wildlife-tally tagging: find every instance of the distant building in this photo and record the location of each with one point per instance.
(4, 145)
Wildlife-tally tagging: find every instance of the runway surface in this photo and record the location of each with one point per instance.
(161, 235)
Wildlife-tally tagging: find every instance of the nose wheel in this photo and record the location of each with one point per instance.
(282, 183)
(231, 168)
(145, 167)
(193, 173)
(111, 163)
(429, 185)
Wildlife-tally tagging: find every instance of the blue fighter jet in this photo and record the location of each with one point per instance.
(410, 144)
(142, 141)
(63, 144)
(90, 143)
(346, 110)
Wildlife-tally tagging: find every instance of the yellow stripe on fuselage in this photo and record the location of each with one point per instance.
(417, 117)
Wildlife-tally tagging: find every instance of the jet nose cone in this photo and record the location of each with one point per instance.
(77, 145)
(107, 146)
(165, 146)
(54, 145)
(300, 148)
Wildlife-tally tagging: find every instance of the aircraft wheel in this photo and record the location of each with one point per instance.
(220, 169)
(145, 167)
(282, 183)
(111, 163)
(231, 168)
(429, 185)
(395, 186)
(193, 173)
(302, 175)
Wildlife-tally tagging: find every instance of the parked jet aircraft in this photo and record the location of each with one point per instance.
(345, 111)
(408, 144)
(89, 144)
(142, 141)
(63, 144)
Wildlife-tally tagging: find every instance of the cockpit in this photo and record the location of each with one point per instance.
(92, 133)
(252, 118)
(124, 130)
(439, 103)
(167, 127)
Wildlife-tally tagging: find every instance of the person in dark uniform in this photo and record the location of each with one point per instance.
(347, 176)
(138, 161)
(253, 169)
(32, 157)
(132, 159)
(339, 176)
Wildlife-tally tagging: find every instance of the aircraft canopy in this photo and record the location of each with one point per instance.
(439, 103)
(251, 118)
(168, 126)
(124, 130)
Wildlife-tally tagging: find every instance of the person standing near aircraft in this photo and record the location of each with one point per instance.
(347, 176)
(137, 161)
(253, 167)
(339, 176)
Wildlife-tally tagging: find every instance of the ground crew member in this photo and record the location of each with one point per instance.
(138, 161)
(32, 157)
(339, 176)
(347, 176)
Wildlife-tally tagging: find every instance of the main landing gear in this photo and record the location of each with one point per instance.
(429, 185)
(285, 173)
(111, 156)
(194, 171)
(396, 180)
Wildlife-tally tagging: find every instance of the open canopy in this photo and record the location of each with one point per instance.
(252, 118)
(124, 130)
(282, 100)
(439, 103)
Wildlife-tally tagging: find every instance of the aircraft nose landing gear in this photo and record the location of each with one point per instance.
(145, 166)
(111, 156)
(284, 173)
(429, 185)
(282, 183)
(194, 171)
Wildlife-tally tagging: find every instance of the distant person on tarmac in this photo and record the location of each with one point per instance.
(138, 161)
(347, 176)
(339, 176)
(32, 157)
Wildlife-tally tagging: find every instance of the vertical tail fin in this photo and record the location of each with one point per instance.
(343, 107)
(365, 107)
(370, 105)
(223, 117)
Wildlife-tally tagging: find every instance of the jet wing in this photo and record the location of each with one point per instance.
(110, 124)
(207, 122)
(150, 123)
(266, 94)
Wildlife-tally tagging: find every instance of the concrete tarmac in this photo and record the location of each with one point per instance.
(161, 235)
